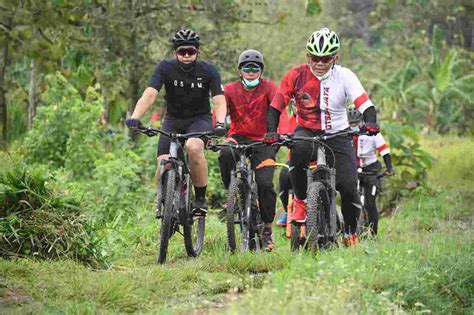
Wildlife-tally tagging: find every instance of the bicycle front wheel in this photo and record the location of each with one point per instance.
(318, 216)
(236, 217)
(169, 184)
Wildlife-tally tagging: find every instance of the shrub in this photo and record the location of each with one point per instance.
(38, 221)
(65, 131)
(216, 192)
(411, 162)
(115, 184)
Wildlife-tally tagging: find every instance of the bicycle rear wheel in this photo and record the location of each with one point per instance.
(236, 218)
(194, 227)
(169, 182)
(318, 216)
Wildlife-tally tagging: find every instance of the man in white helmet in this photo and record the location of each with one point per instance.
(322, 91)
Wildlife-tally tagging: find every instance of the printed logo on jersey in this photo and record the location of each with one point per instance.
(193, 85)
(305, 97)
(327, 114)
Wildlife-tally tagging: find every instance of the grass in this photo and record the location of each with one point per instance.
(422, 262)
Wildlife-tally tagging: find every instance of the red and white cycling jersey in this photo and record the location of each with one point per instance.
(321, 104)
(367, 147)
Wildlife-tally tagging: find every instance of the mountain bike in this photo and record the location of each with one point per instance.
(243, 220)
(363, 221)
(321, 224)
(175, 195)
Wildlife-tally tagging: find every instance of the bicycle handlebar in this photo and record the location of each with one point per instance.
(151, 132)
(290, 139)
(237, 146)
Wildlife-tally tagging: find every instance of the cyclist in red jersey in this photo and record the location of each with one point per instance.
(248, 101)
(322, 89)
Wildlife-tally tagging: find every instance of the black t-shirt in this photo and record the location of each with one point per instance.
(187, 93)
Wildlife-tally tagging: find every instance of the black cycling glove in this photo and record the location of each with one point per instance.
(133, 123)
(220, 129)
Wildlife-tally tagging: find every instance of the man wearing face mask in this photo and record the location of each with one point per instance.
(248, 100)
(189, 83)
(322, 90)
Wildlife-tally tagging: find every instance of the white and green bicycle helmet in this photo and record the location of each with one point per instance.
(323, 43)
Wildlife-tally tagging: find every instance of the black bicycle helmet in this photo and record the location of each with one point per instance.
(185, 37)
(353, 114)
(252, 56)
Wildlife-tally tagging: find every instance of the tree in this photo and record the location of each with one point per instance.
(38, 31)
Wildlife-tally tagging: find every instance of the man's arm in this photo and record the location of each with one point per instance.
(273, 119)
(144, 103)
(280, 100)
(220, 107)
(370, 115)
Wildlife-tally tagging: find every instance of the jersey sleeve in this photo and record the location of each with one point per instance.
(380, 144)
(356, 92)
(271, 91)
(215, 84)
(228, 97)
(285, 91)
(157, 80)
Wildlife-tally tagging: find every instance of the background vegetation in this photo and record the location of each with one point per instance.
(77, 191)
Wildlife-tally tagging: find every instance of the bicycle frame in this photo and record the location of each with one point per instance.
(181, 168)
(176, 196)
(245, 174)
(326, 175)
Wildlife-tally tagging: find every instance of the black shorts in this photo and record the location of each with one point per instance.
(372, 180)
(179, 125)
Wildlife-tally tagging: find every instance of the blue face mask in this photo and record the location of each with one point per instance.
(251, 84)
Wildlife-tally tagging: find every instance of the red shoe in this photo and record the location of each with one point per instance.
(299, 212)
(350, 240)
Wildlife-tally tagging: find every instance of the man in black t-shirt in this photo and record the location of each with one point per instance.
(188, 83)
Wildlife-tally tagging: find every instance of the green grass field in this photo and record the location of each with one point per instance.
(422, 263)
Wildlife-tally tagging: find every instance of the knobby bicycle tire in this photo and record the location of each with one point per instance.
(169, 182)
(236, 209)
(192, 224)
(255, 224)
(318, 216)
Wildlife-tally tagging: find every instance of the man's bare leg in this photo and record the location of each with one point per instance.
(157, 174)
(198, 169)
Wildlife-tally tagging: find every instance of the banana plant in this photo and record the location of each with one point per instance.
(440, 97)
(451, 91)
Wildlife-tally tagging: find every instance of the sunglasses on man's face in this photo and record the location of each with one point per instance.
(186, 51)
(323, 59)
(248, 69)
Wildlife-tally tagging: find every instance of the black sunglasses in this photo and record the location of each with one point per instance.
(324, 59)
(186, 51)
